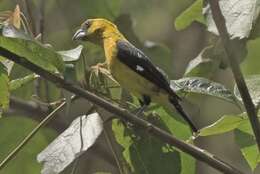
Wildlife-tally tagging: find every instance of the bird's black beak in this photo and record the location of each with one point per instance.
(79, 35)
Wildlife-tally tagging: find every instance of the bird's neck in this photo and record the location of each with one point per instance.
(112, 33)
(110, 39)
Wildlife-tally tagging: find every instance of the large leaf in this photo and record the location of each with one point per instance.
(246, 141)
(224, 124)
(191, 14)
(4, 88)
(12, 132)
(213, 58)
(204, 65)
(171, 122)
(240, 17)
(203, 86)
(142, 152)
(34, 52)
(101, 8)
(253, 84)
(70, 144)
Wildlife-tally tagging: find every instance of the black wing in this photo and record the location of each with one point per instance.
(141, 64)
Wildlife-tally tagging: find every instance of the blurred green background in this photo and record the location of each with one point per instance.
(150, 26)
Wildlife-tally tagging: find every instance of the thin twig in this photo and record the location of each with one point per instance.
(240, 81)
(110, 145)
(76, 163)
(33, 110)
(41, 31)
(42, 20)
(30, 14)
(107, 137)
(33, 28)
(164, 136)
(11, 155)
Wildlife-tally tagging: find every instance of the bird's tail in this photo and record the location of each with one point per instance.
(175, 102)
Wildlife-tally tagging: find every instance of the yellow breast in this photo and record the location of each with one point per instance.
(110, 51)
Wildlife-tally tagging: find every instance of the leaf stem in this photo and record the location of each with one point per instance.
(240, 81)
(117, 159)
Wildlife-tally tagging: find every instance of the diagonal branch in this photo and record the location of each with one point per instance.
(240, 81)
(34, 111)
(164, 136)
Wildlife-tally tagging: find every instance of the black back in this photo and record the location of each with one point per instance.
(141, 64)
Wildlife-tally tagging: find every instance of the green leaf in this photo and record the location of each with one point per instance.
(4, 88)
(34, 52)
(245, 139)
(71, 55)
(203, 86)
(142, 151)
(253, 84)
(18, 83)
(12, 132)
(240, 16)
(191, 14)
(170, 121)
(224, 124)
(204, 65)
(101, 8)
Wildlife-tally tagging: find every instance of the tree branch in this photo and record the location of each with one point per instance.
(164, 136)
(240, 81)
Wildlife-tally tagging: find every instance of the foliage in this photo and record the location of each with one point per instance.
(191, 14)
(135, 150)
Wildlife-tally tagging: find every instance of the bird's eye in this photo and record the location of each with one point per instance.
(87, 24)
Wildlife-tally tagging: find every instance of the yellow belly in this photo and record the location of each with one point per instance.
(135, 83)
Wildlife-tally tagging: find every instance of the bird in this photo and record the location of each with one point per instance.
(130, 67)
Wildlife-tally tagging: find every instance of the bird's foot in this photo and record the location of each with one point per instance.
(99, 66)
(102, 68)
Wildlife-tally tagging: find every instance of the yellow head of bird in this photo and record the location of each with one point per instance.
(95, 30)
